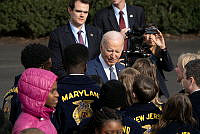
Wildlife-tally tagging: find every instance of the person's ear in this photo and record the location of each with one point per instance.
(69, 10)
(192, 81)
(101, 48)
(96, 131)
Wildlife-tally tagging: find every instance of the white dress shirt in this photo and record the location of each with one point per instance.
(125, 15)
(106, 67)
(83, 33)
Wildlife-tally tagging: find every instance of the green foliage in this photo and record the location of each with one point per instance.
(173, 16)
(32, 18)
(36, 18)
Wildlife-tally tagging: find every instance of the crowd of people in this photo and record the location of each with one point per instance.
(79, 84)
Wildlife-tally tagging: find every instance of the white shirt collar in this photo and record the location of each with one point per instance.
(125, 15)
(195, 90)
(104, 64)
(116, 10)
(75, 30)
(76, 74)
(106, 67)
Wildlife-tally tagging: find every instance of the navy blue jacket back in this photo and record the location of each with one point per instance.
(178, 128)
(78, 94)
(145, 114)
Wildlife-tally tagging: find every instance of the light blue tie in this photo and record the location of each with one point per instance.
(112, 74)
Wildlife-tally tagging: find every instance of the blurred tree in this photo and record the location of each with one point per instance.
(36, 18)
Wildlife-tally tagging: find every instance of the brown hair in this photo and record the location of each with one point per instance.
(72, 3)
(193, 70)
(178, 108)
(127, 77)
(146, 67)
(144, 88)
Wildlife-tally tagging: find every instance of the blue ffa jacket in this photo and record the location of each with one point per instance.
(130, 126)
(194, 98)
(145, 114)
(77, 96)
(178, 128)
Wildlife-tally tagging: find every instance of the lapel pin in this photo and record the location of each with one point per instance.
(92, 35)
(131, 16)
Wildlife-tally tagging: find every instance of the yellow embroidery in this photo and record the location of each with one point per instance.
(82, 111)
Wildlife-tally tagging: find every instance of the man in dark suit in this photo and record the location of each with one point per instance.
(119, 17)
(107, 65)
(191, 82)
(74, 32)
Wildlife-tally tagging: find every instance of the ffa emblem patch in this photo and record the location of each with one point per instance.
(82, 111)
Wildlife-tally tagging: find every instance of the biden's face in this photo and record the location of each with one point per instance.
(111, 51)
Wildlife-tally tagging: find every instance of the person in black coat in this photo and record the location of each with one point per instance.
(160, 57)
(191, 83)
(74, 32)
(177, 117)
(108, 19)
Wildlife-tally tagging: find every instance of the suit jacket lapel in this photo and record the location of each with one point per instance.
(117, 68)
(131, 16)
(90, 38)
(70, 35)
(112, 19)
(66, 37)
(100, 70)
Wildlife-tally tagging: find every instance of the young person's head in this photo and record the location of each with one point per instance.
(127, 77)
(36, 56)
(107, 121)
(183, 59)
(144, 88)
(78, 10)
(38, 87)
(75, 58)
(191, 79)
(32, 131)
(178, 108)
(113, 95)
(147, 68)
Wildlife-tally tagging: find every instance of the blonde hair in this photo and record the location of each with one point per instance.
(127, 77)
(183, 59)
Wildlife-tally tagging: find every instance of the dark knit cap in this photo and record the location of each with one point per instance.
(113, 94)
